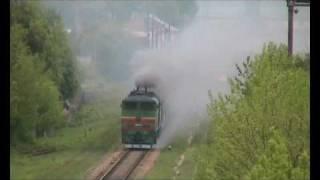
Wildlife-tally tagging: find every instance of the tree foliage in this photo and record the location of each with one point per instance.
(271, 92)
(46, 38)
(42, 71)
(275, 163)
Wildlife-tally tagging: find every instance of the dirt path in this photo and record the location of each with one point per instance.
(181, 159)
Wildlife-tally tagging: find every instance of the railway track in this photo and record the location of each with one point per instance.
(124, 167)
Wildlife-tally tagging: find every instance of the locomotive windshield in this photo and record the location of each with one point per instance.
(130, 105)
(148, 106)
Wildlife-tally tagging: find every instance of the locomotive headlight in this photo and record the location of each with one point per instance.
(138, 125)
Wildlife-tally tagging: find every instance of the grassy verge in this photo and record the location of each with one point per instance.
(69, 164)
(79, 146)
(164, 167)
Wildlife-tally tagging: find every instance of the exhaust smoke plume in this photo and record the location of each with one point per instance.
(203, 57)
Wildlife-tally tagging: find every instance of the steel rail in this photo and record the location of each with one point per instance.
(126, 176)
(109, 172)
(136, 164)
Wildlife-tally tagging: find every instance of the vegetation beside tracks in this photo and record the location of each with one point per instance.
(260, 130)
(43, 72)
(167, 161)
(94, 131)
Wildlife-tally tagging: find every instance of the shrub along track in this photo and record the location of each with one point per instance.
(125, 165)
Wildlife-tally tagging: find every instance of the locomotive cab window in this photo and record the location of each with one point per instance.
(148, 106)
(129, 105)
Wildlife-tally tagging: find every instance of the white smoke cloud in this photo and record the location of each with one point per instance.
(204, 54)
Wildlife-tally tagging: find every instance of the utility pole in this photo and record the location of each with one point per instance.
(290, 26)
(291, 4)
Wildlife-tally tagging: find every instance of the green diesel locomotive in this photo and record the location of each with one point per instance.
(141, 119)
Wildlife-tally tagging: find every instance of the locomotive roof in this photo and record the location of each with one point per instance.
(141, 98)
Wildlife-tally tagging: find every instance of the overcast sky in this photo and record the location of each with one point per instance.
(272, 14)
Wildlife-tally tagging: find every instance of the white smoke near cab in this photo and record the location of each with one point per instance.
(200, 59)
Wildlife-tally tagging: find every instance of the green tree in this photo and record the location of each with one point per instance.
(49, 109)
(22, 82)
(42, 70)
(274, 163)
(46, 38)
(34, 98)
(271, 91)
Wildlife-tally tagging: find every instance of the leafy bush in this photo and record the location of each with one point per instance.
(275, 162)
(42, 71)
(45, 37)
(271, 92)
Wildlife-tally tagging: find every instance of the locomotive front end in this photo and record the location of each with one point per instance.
(140, 119)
